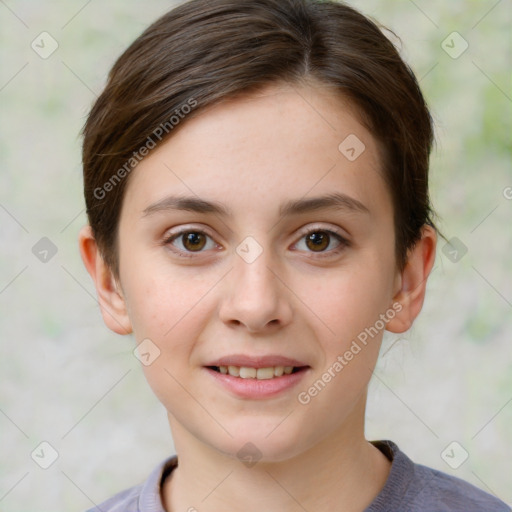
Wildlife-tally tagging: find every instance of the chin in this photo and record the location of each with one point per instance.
(253, 444)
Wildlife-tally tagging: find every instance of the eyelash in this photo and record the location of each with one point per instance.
(343, 242)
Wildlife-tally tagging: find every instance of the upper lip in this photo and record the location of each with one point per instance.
(256, 361)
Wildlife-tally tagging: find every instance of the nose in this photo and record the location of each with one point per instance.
(255, 295)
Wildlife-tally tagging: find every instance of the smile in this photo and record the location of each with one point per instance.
(257, 383)
(246, 372)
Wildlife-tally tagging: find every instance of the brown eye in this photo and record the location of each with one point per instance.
(323, 242)
(187, 243)
(193, 241)
(318, 241)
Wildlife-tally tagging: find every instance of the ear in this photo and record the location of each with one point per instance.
(411, 283)
(110, 296)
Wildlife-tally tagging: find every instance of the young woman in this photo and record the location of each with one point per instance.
(256, 181)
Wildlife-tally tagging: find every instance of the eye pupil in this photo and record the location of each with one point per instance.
(194, 241)
(320, 240)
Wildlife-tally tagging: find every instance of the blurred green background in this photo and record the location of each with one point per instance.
(67, 380)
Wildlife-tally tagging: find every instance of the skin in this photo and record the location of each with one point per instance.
(252, 154)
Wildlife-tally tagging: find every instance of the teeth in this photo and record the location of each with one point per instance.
(248, 373)
(233, 370)
(245, 372)
(265, 373)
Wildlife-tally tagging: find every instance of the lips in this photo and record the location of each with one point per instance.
(256, 387)
(257, 377)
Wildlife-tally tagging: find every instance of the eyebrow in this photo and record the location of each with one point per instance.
(335, 201)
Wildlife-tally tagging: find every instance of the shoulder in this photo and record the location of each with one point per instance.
(144, 497)
(414, 487)
(446, 492)
(124, 501)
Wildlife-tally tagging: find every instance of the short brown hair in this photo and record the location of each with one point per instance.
(205, 51)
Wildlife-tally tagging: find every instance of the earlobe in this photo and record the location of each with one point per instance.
(412, 282)
(110, 297)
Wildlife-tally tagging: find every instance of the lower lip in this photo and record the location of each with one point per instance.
(258, 388)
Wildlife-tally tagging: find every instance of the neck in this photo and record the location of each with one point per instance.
(342, 468)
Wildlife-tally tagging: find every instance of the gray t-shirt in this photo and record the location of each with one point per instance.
(410, 487)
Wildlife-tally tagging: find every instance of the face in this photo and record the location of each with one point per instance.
(264, 265)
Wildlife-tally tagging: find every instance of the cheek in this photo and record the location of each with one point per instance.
(350, 303)
(162, 299)
(168, 310)
(351, 299)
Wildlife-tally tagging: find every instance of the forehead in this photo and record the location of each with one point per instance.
(259, 151)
